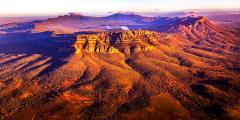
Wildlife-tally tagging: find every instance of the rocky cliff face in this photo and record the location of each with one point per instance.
(114, 42)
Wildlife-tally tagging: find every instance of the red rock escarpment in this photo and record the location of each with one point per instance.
(115, 42)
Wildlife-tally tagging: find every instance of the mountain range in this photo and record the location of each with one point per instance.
(122, 66)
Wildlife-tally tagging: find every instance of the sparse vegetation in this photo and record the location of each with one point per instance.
(190, 72)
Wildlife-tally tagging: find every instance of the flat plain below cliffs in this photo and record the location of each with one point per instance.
(161, 68)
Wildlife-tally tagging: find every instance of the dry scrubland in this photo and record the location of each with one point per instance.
(192, 72)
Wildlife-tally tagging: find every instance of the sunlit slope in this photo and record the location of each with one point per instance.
(189, 72)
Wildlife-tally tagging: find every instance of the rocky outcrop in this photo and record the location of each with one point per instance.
(114, 42)
(93, 43)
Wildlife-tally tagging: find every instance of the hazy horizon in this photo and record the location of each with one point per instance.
(56, 7)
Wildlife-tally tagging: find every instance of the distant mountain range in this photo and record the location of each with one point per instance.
(75, 23)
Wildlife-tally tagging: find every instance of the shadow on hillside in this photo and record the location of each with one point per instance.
(28, 43)
(17, 27)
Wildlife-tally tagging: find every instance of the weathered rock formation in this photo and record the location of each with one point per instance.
(115, 42)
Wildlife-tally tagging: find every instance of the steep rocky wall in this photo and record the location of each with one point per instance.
(115, 42)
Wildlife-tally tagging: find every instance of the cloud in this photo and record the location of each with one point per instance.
(108, 27)
(124, 28)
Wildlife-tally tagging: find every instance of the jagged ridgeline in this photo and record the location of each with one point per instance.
(125, 67)
(115, 42)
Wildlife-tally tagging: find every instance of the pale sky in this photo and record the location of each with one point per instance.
(48, 7)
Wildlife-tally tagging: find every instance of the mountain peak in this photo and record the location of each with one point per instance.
(192, 20)
(121, 15)
(202, 19)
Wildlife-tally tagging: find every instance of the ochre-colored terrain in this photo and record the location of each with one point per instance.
(185, 68)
